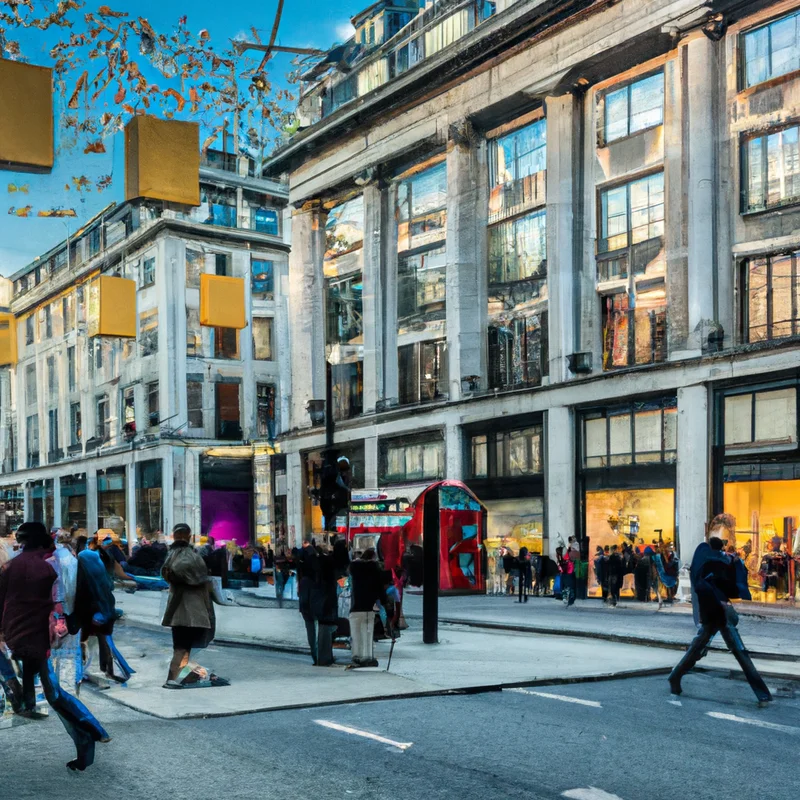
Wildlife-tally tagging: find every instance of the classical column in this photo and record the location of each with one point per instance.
(91, 499)
(563, 127)
(454, 451)
(372, 295)
(371, 462)
(307, 310)
(295, 499)
(57, 502)
(388, 274)
(560, 476)
(262, 474)
(693, 468)
(467, 214)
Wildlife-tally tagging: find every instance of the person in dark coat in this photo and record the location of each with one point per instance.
(147, 559)
(715, 581)
(316, 592)
(614, 567)
(525, 573)
(367, 588)
(600, 572)
(26, 602)
(641, 576)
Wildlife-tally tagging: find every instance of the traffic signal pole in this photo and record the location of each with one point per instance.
(430, 568)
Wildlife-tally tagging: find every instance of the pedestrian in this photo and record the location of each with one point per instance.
(317, 596)
(641, 575)
(525, 576)
(568, 583)
(600, 572)
(281, 570)
(511, 570)
(614, 571)
(716, 579)
(367, 589)
(628, 567)
(189, 613)
(26, 602)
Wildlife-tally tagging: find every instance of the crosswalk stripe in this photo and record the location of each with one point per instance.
(758, 723)
(365, 734)
(589, 793)
(562, 697)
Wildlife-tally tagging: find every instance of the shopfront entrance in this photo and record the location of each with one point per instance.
(73, 501)
(226, 499)
(12, 509)
(628, 476)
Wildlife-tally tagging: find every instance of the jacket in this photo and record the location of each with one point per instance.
(366, 585)
(189, 602)
(26, 600)
(316, 589)
(95, 607)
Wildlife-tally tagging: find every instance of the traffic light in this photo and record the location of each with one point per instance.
(334, 492)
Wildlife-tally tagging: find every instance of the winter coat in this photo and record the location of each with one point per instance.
(316, 589)
(366, 585)
(149, 557)
(26, 600)
(189, 602)
(95, 607)
(614, 568)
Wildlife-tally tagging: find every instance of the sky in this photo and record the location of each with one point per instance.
(305, 23)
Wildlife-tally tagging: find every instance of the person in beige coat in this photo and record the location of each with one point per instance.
(189, 612)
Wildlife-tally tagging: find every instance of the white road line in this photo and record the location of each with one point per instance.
(366, 734)
(562, 697)
(590, 793)
(759, 723)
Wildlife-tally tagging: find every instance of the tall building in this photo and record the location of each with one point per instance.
(175, 422)
(551, 249)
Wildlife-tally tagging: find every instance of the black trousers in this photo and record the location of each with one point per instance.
(699, 647)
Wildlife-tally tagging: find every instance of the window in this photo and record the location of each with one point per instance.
(345, 310)
(226, 343)
(98, 352)
(194, 333)
(262, 338)
(635, 334)
(423, 372)
(218, 205)
(479, 451)
(223, 264)
(508, 454)
(194, 268)
(102, 418)
(412, 459)
(633, 108)
(30, 326)
(448, 31)
(48, 322)
(771, 288)
(373, 75)
(518, 249)
(30, 384)
(32, 440)
(52, 378)
(518, 165)
(641, 433)
(265, 410)
(153, 412)
(148, 272)
(631, 213)
(148, 332)
(764, 420)
(772, 50)
(344, 238)
(258, 216)
(421, 284)
(262, 278)
(348, 389)
(194, 401)
(771, 170)
(75, 432)
(422, 208)
(518, 354)
(72, 374)
(129, 410)
(226, 396)
(149, 495)
(52, 431)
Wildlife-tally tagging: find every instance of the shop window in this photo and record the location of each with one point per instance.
(75, 430)
(265, 410)
(111, 499)
(631, 214)
(422, 208)
(262, 338)
(194, 402)
(518, 353)
(195, 262)
(772, 50)
(412, 460)
(72, 369)
(771, 167)
(348, 389)
(148, 332)
(635, 335)
(194, 334)
(226, 343)
(423, 372)
(148, 272)
(633, 108)
(518, 168)
(262, 278)
(771, 288)
(226, 398)
(73, 500)
(30, 327)
(345, 311)
(644, 433)
(129, 410)
(54, 448)
(153, 412)
(761, 420)
(32, 440)
(149, 510)
(421, 284)
(30, 384)
(518, 249)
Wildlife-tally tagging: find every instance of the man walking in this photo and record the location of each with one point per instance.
(614, 569)
(316, 593)
(715, 581)
(367, 588)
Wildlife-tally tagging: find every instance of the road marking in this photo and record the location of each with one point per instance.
(759, 723)
(590, 793)
(562, 697)
(366, 734)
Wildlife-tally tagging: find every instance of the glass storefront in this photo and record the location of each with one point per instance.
(42, 502)
(111, 499)
(516, 523)
(73, 501)
(149, 508)
(12, 509)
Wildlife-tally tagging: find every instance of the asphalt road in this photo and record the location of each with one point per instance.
(624, 738)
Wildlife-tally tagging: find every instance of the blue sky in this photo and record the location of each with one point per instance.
(309, 23)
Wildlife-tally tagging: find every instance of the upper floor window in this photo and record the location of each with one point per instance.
(262, 338)
(148, 332)
(514, 454)
(771, 170)
(421, 283)
(226, 343)
(772, 50)
(30, 384)
(635, 331)
(345, 311)
(423, 372)
(148, 272)
(72, 369)
(151, 393)
(771, 288)
(262, 278)
(422, 208)
(631, 213)
(265, 410)
(634, 107)
(195, 263)
(765, 420)
(102, 418)
(412, 458)
(30, 329)
(518, 249)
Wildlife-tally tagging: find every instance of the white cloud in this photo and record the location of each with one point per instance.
(344, 30)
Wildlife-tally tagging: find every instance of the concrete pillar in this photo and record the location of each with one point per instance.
(560, 477)
(130, 504)
(91, 499)
(563, 127)
(371, 462)
(454, 452)
(27, 502)
(467, 214)
(389, 308)
(186, 493)
(693, 482)
(701, 66)
(56, 502)
(294, 500)
(262, 474)
(372, 296)
(171, 477)
(306, 311)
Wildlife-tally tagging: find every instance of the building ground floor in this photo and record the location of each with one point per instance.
(642, 457)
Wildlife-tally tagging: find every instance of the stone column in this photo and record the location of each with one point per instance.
(560, 476)
(467, 214)
(370, 462)
(130, 503)
(563, 126)
(294, 500)
(693, 468)
(262, 474)
(701, 71)
(57, 502)
(27, 502)
(172, 477)
(307, 311)
(91, 499)
(373, 296)
(454, 451)
(391, 390)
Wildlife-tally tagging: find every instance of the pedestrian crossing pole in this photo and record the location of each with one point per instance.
(430, 568)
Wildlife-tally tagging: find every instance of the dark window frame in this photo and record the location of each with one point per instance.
(744, 283)
(745, 206)
(627, 85)
(431, 437)
(742, 51)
